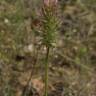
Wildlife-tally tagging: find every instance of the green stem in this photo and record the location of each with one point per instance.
(46, 71)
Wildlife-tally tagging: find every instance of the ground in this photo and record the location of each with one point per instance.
(72, 64)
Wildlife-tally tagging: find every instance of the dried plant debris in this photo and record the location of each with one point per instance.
(72, 63)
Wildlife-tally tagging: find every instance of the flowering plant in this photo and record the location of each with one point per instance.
(47, 26)
(49, 29)
(50, 2)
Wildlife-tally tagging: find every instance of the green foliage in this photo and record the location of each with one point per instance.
(50, 26)
(8, 91)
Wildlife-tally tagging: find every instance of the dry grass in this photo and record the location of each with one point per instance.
(72, 61)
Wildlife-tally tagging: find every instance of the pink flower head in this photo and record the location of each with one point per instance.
(50, 2)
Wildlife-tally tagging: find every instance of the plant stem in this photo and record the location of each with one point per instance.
(46, 71)
(29, 80)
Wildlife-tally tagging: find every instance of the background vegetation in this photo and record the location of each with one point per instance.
(72, 66)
